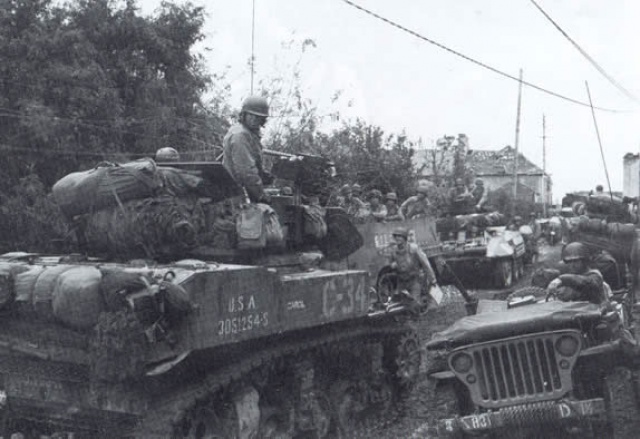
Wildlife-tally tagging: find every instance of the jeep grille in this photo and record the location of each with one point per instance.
(518, 370)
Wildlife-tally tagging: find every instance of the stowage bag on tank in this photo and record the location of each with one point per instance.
(77, 301)
(106, 185)
(150, 228)
(8, 272)
(24, 284)
(42, 297)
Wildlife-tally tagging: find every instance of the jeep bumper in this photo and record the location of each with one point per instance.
(533, 414)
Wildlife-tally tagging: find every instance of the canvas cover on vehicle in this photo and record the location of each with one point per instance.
(529, 319)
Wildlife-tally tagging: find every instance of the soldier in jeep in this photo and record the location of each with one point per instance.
(581, 282)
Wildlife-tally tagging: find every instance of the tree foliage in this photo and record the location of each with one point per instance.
(363, 153)
(94, 80)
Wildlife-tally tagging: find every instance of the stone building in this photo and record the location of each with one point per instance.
(494, 167)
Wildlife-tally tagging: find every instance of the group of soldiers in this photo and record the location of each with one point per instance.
(375, 207)
(378, 208)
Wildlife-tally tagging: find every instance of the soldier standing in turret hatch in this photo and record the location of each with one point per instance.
(243, 150)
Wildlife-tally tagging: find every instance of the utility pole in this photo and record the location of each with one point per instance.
(517, 143)
(544, 168)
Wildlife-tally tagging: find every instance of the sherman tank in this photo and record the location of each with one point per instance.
(188, 334)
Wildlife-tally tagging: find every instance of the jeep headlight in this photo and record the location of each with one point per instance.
(567, 345)
(461, 362)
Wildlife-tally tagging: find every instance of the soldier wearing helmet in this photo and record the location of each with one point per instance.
(418, 205)
(393, 210)
(357, 190)
(580, 282)
(354, 206)
(376, 211)
(411, 265)
(167, 154)
(243, 150)
(459, 198)
(479, 194)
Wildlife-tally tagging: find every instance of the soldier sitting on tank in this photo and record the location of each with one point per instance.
(460, 199)
(580, 282)
(411, 266)
(418, 205)
(479, 194)
(376, 211)
(393, 210)
(351, 204)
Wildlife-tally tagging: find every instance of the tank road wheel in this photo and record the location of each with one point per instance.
(504, 273)
(276, 424)
(407, 359)
(321, 415)
(228, 418)
(206, 423)
(346, 408)
(622, 406)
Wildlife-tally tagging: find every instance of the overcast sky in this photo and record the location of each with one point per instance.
(395, 80)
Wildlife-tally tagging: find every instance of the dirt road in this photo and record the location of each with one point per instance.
(420, 405)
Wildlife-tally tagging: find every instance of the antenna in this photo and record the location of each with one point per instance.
(595, 124)
(253, 28)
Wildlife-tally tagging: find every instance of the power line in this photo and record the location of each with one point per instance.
(479, 63)
(593, 62)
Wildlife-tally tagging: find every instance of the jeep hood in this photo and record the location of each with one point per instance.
(538, 317)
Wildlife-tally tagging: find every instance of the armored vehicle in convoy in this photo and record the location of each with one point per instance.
(479, 246)
(189, 322)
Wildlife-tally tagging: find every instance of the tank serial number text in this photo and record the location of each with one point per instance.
(240, 324)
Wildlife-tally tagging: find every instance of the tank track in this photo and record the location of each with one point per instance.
(163, 418)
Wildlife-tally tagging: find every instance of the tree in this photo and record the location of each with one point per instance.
(89, 81)
(94, 79)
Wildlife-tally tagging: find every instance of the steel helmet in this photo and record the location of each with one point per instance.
(356, 188)
(422, 189)
(256, 105)
(575, 251)
(167, 154)
(479, 182)
(345, 189)
(401, 231)
(392, 196)
(375, 193)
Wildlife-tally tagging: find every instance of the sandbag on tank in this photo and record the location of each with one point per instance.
(8, 272)
(153, 228)
(77, 301)
(106, 185)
